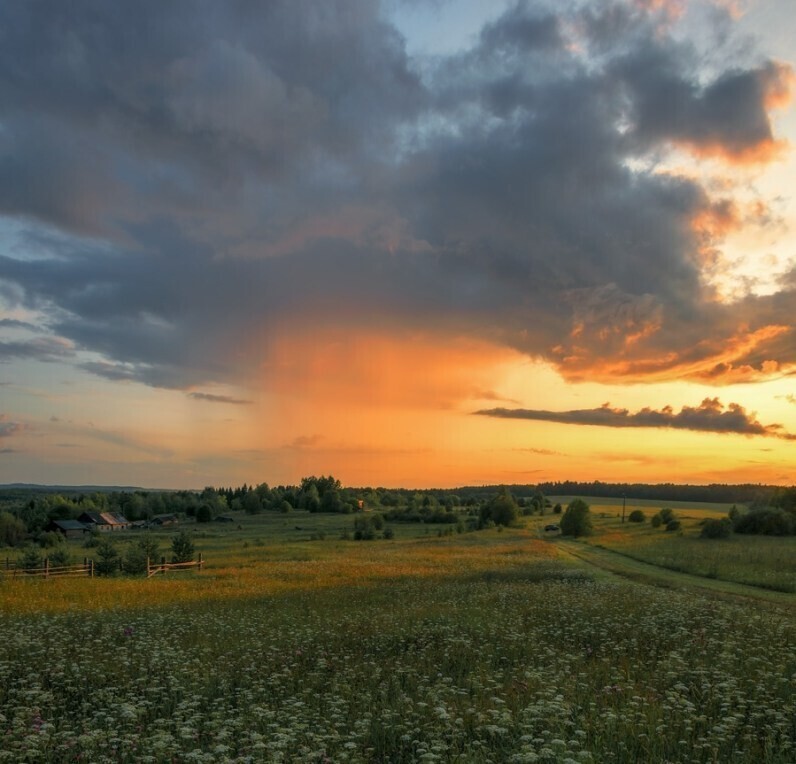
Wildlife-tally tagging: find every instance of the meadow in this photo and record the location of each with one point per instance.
(764, 561)
(296, 645)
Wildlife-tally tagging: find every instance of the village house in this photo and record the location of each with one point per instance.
(104, 521)
(71, 529)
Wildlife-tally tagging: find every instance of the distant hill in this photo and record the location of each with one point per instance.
(41, 488)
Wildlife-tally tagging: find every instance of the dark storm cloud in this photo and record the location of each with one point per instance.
(709, 416)
(38, 349)
(205, 175)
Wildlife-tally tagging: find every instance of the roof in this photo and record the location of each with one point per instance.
(104, 518)
(69, 525)
(93, 517)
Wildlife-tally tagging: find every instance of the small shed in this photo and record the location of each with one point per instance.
(71, 529)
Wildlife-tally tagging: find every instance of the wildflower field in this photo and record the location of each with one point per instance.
(297, 646)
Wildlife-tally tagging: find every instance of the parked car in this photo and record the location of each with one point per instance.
(552, 528)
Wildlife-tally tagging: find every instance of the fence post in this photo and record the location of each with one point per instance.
(200, 562)
(91, 568)
(147, 566)
(46, 567)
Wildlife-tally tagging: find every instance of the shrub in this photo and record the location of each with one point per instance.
(576, 521)
(656, 521)
(557, 509)
(666, 515)
(501, 510)
(714, 528)
(31, 559)
(60, 557)
(767, 521)
(107, 558)
(388, 533)
(182, 548)
(637, 516)
(673, 525)
(135, 559)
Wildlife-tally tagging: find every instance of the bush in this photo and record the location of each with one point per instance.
(388, 533)
(673, 525)
(666, 515)
(557, 509)
(767, 521)
(637, 516)
(31, 559)
(107, 562)
(716, 528)
(656, 521)
(182, 548)
(60, 557)
(134, 561)
(576, 521)
(501, 510)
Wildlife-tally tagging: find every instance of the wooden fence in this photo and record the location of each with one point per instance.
(152, 569)
(46, 570)
(87, 568)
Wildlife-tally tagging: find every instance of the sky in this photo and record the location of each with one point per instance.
(419, 243)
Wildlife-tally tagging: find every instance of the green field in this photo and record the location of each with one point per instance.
(765, 561)
(295, 645)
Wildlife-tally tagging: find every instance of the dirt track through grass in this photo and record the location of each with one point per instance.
(647, 573)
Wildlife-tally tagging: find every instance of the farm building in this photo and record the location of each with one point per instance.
(104, 521)
(72, 529)
(168, 519)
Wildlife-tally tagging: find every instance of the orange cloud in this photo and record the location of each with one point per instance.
(718, 362)
(764, 151)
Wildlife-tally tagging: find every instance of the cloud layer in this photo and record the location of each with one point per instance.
(709, 416)
(195, 180)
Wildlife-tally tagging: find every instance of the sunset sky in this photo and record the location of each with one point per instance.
(409, 243)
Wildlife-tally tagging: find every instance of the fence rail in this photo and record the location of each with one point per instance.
(46, 570)
(152, 569)
(87, 568)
